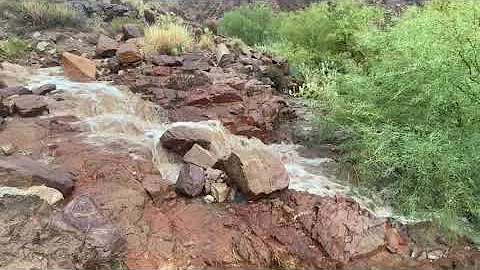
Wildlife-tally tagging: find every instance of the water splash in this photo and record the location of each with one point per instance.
(109, 113)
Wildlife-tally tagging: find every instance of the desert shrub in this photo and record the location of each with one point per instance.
(251, 23)
(116, 24)
(205, 41)
(44, 14)
(12, 47)
(413, 115)
(170, 38)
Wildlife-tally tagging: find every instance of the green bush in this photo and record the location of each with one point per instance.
(414, 114)
(44, 14)
(251, 23)
(12, 47)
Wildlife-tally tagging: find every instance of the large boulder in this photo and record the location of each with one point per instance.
(191, 180)
(26, 172)
(106, 46)
(256, 170)
(30, 106)
(78, 68)
(128, 53)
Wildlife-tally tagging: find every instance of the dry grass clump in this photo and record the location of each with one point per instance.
(170, 38)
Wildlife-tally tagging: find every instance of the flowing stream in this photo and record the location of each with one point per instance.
(109, 113)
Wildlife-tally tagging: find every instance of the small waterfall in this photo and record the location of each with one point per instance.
(108, 113)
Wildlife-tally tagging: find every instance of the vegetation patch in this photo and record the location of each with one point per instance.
(170, 38)
(43, 14)
(12, 47)
(404, 89)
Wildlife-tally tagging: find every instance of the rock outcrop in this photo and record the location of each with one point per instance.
(26, 172)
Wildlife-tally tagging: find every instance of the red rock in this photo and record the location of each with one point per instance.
(199, 156)
(214, 94)
(128, 53)
(180, 139)
(106, 46)
(166, 60)
(162, 71)
(78, 68)
(256, 170)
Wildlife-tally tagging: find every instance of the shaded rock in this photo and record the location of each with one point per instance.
(78, 68)
(166, 60)
(200, 157)
(149, 16)
(180, 139)
(191, 180)
(115, 10)
(106, 46)
(128, 53)
(14, 90)
(44, 89)
(130, 31)
(8, 149)
(256, 170)
(220, 192)
(30, 106)
(24, 172)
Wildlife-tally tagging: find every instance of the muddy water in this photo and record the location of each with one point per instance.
(108, 113)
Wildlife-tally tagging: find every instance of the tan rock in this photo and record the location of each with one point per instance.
(256, 170)
(78, 68)
(128, 53)
(201, 157)
(220, 192)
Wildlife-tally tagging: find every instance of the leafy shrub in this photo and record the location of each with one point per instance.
(170, 38)
(251, 23)
(44, 14)
(414, 115)
(12, 47)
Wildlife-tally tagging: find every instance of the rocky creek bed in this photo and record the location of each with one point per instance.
(116, 160)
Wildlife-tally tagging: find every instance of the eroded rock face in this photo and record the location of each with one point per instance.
(256, 170)
(78, 68)
(25, 172)
(39, 238)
